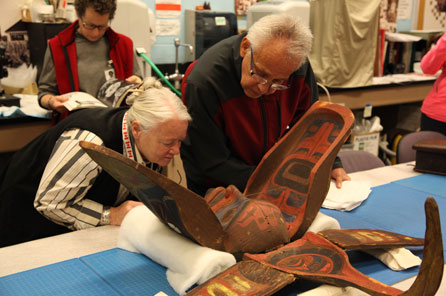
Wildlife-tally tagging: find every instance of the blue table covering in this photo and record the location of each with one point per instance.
(397, 207)
(112, 272)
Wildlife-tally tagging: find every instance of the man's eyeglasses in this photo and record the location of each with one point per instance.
(274, 85)
(92, 27)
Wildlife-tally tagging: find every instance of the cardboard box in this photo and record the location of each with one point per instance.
(347, 147)
(366, 141)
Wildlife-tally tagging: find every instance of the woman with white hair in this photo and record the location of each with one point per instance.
(52, 186)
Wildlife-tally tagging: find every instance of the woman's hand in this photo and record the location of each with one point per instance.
(118, 213)
(52, 102)
(133, 79)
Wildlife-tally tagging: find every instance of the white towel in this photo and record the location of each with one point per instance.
(350, 196)
(323, 222)
(187, 263)
(395, 258)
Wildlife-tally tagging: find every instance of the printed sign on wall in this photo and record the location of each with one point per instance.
(168, 8)
(168, 13)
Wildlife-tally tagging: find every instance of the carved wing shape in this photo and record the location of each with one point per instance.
(246, 278)
(360, 239)
(431, 270)
(315, 258)
(295, 174)
(178, 207)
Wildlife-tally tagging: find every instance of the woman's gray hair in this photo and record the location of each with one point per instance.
(282, 26)
(153, 104)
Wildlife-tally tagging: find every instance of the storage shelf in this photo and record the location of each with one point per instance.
(380, 95)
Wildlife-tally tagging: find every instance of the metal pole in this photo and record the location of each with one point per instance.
(155, 68)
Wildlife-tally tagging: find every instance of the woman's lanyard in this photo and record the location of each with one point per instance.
(126, 138)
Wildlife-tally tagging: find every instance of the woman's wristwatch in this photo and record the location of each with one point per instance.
(105, 217)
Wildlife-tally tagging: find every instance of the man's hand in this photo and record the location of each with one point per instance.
(339, 175)
(52, 102)
(117, 214)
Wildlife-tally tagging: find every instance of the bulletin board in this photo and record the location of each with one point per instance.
(241, 6)
(388, 15)
(432, 15)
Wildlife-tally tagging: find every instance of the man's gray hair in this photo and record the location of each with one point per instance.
(282, 26)
(153, 104)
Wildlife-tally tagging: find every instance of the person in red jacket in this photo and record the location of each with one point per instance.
(433, 110)
(244, 93)
(85, 55)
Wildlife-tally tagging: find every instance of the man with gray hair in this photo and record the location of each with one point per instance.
(243, 94)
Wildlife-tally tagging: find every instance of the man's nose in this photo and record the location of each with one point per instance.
(96, 31)
(266, 88)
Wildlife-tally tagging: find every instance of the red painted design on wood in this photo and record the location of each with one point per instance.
(245, 278)
(315, 258)
(254, 225)
(294, 175)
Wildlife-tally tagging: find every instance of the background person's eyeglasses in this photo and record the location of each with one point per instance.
(263, 81)
(92, 27)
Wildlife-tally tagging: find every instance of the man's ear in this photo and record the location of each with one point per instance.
(244, 46)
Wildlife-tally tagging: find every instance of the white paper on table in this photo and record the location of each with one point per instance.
(348, 197)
